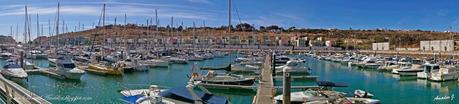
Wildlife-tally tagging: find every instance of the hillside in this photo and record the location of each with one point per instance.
(345, 38)
(6, 40)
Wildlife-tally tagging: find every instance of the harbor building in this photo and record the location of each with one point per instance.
(380, 46)
(437, 45)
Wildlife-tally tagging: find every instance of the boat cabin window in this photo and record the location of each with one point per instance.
(68, 65)
(292, 64)
(429, 68)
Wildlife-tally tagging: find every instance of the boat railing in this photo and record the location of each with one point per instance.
(20, 94)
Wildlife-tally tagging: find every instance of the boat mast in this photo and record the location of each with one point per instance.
(26, 19)
(57, 26)
(17, 32)
(229, 16)
(38, 28)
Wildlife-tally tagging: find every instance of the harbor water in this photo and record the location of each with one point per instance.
(389, 88)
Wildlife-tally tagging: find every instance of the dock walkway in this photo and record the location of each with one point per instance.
(266, 90)
(17, 94)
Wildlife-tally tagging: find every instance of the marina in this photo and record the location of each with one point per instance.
(163, 52)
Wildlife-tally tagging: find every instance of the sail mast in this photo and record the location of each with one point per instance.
(229, 16)
(57, 25)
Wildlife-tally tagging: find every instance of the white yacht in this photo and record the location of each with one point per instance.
(403, 66)
(145, 96)
(370, 62)
(36, 54)
(155, 63)
(294, 66)
(389, 65)
(428, 68)
(412, 71)
(322, 97)
(67, 68)
(13, 70)
(446, 73)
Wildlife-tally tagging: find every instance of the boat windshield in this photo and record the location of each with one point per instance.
(429, 68)
(68, 65)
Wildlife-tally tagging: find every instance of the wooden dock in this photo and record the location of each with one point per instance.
(15, 93)
(45, 71)
(266, 90)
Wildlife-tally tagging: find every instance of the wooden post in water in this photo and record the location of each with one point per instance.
(286, 87)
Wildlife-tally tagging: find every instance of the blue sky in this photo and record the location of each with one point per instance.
(436, 15)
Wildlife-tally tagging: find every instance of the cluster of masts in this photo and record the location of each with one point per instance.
(55, 30)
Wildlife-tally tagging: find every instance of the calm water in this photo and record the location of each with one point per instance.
(390, 89)
(104, 89)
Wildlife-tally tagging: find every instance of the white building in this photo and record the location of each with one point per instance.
(437, 45)
(381, 46)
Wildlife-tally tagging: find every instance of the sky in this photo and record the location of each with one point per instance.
(436, 15)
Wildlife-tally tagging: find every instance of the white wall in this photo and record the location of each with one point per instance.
(437, 45)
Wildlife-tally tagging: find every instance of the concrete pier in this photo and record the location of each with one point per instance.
(266, 90)
(14, 93)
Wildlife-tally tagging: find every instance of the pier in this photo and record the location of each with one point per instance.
(266, 90)
(14, 93)
(45, 71)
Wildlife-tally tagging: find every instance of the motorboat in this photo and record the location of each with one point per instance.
(155, 63)
(428, 69)
(13, 70)
(309, 96)
(280, 60)
(446, 73)
(106, 69)
(195, 58)
(186, 95)
(325, 95)
(240, 67)
(213, 78)
(403, 66)
(36, 54)
(133, 65)
(362, 94)
(5, 55)
(370, 63)
(67, 68)
(175, 60)
(145, 96)
(412, 71)
(293, 66)
(389, 66)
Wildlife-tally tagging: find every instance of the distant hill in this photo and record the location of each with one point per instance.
(344, 38)
(6, 40)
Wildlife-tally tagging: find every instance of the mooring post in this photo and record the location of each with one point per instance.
(286, 87)
(21, 58)
(273, 64)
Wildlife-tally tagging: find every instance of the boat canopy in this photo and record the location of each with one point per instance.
(11, 65)
(132, 99)
(182, 94)
(330, 84)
